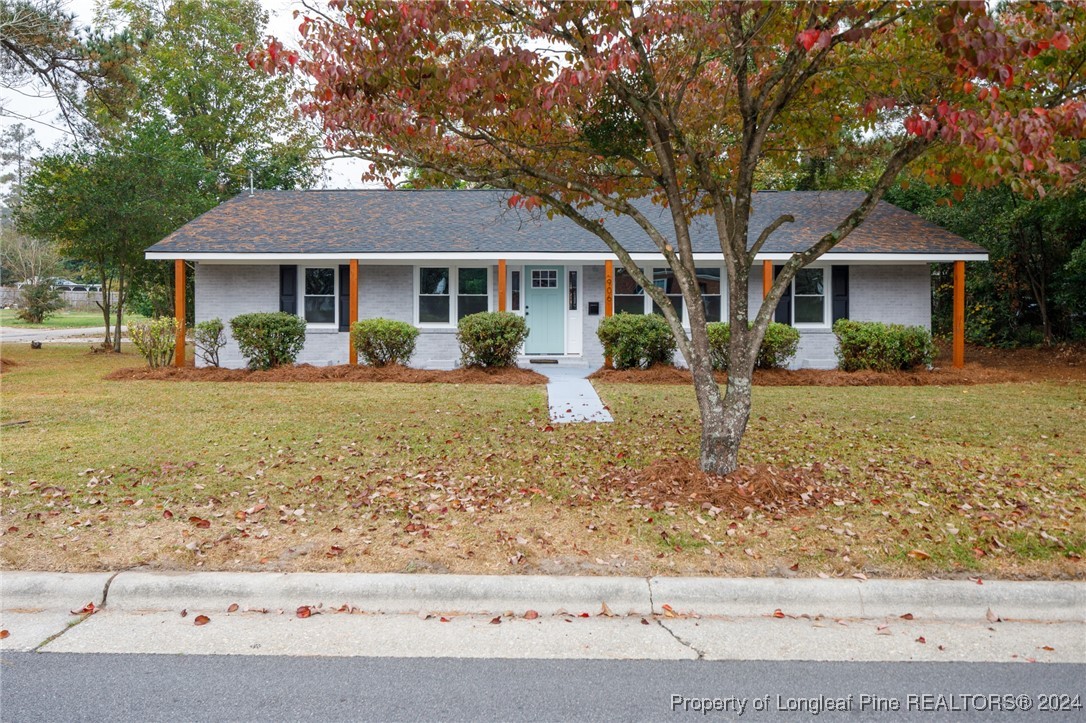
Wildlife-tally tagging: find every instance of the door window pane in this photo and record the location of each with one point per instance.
(544, 278)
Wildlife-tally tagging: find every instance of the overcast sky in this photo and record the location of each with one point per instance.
(40, 113)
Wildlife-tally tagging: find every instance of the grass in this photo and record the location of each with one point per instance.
(62, 320)
(982, 480)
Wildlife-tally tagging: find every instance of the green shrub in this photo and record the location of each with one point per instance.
(154, 339)
(269, 339)
(636, 340)
(779, 345)
(881, 347)
(210, 338)
(491, 338)
(37, 301)
(384, 341)
(720, 334)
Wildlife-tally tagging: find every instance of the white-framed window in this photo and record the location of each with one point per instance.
(320, 294)
(810, 297)
(629, 296)
(472, 291)
(446, 294)
(632, 299)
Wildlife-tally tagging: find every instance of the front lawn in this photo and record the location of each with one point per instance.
(985, 480)
(62, 320)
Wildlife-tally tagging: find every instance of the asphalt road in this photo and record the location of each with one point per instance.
(99, 687)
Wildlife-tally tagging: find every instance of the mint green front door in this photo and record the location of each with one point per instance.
(544, 309)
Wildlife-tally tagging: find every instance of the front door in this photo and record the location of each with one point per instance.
(544, 309)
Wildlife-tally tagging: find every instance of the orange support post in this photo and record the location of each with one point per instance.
(501, 285)
(767, 277)
(959, 314)
(608, 288)
(179, 311)
(352, 312)
(608, 298)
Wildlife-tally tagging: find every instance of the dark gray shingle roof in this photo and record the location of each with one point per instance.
(381, 221)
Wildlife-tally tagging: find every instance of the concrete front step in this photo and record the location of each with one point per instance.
(535, 362)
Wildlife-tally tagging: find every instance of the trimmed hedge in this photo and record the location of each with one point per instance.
(210, 338)
(384, 341)
(636, 340)
(778, 346)
(269, 340)
(154, 339)
(491, 338)
(881, 347)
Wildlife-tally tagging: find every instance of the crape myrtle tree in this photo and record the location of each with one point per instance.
(581, 109)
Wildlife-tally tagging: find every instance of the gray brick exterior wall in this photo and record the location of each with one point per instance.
(225, 291)
(894, 294)
(891, 294)
(592, 285)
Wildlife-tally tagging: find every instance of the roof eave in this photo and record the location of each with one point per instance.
(262, 257)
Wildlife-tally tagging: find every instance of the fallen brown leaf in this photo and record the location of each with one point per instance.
(233, 608)
(606, 611)
(531, 615)
(907, 616)
(496, 621)
(201, 620)
(304, 611)
(918, 555)
(4, 634)
(87, 609)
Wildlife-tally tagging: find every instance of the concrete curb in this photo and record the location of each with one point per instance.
(486, 594)
(380, 593)
(932, 599)
(33, 591)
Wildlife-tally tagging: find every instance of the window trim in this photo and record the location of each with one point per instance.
(650, 272)
(334, 324)
(827, 300)
(454, 289)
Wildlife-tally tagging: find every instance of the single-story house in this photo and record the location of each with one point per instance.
(430, 257)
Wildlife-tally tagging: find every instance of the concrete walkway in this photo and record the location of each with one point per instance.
(571, 396)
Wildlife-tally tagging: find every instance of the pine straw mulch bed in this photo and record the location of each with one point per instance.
(680, 482)
(342, 373)
(983, 366)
